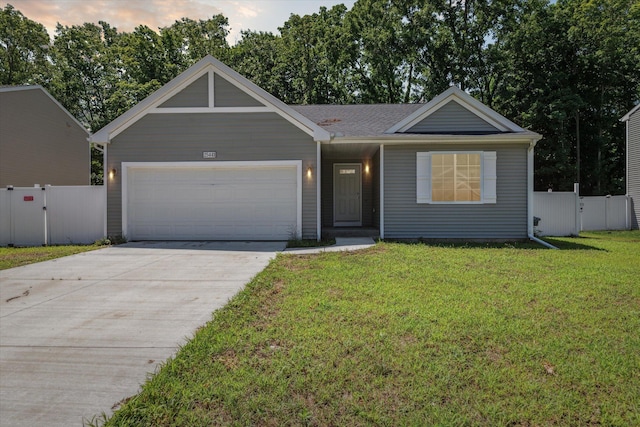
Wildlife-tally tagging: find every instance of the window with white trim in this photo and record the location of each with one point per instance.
(456, 177)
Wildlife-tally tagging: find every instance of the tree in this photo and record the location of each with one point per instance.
(187, 41)
(258, 56)
(314, 57)
(381, 68)
(24, 46)
(570, 77)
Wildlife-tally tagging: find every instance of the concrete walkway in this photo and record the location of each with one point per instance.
(342, 244)
(79, 334)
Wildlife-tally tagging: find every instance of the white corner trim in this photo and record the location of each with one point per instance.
(530, 191)
(381, 191)
(126, 166)
(318, 190)
(212, 99)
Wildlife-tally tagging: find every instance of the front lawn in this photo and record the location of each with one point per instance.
(15, 257)
(415, 334)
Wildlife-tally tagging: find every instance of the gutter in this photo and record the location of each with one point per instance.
(530, 235)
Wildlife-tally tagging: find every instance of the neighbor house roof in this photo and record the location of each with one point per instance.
(5, 89)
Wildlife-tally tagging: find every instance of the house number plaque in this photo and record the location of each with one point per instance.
(209, 154)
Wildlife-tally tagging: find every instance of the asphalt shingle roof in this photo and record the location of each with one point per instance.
(356, 120)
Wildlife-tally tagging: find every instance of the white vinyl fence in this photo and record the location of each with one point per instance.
(566, 214)
(34, 216)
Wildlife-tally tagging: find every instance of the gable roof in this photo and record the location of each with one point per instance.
(630, 113)
(209, 65)
(401, 121)
(466, 101)
(6, 89)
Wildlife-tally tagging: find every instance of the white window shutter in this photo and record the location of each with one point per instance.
(423, 177)
(489, 177)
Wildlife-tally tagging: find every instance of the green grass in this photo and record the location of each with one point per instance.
(15, 257)
(415, 334)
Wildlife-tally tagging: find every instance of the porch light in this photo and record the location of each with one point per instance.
(309, 172)
(112, 173)
(366, 168)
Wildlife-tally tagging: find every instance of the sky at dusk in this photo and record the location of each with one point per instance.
(125, 15)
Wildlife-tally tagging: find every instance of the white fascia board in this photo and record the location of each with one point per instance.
(55, 101)
(630, 113)
(502, 138)
(465, 100)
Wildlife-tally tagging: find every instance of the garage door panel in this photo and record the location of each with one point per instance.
(217, 203)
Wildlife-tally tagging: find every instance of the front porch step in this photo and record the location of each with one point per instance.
(333, 232)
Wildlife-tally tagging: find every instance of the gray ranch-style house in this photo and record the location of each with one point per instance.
(40, 141)
(632, 120)
(211, 156)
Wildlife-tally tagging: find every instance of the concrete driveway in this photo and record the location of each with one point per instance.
(79, 334)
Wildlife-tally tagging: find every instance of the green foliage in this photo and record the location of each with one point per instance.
(23, 48)
(567, 69)
(414, 334)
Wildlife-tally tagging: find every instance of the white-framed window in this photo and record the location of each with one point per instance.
(456, 177)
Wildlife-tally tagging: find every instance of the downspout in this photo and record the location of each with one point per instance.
(628, 223)
(318, 192)
(530, 198)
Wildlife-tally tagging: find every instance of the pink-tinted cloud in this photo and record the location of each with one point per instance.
(122, 14)
(125, 15)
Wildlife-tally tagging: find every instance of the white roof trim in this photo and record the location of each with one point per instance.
(207, 64)
(32, 87)
(410, 138)
(465, 100)
(630, 113)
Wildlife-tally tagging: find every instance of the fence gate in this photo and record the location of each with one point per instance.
(34, 216)
(567, 213)
(23, 215)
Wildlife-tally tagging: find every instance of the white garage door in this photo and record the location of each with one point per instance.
(212, 203)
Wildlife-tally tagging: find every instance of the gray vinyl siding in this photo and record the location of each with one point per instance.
(40, 143)
(633, 172)
(227, 95)
(194, 95)
(235, 137)
(452, 118)
(404, 218)
(327, 191)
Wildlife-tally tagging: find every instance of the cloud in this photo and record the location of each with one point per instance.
(122, 14)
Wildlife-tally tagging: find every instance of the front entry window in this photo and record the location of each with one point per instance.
(455, 177)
